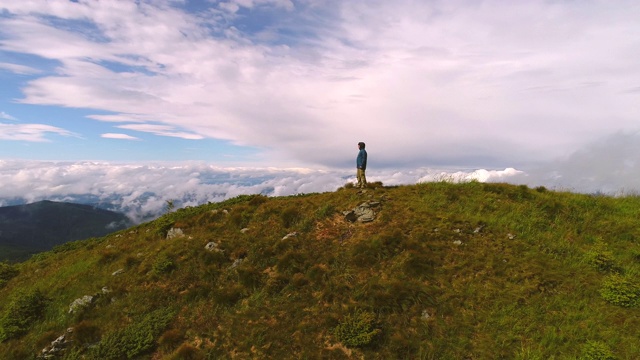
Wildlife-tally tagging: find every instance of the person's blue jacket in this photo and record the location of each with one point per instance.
(361, 161)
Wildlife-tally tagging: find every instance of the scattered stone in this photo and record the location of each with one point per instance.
(478, 229)
(511, 236)
(117, 272)
(457, 242)
(225, 211)
(174, 233)
(105, 290)
(55, 350)
(212, 246)
(244, 230)
(80, 303)
(457, 231)
(290, 235)
(425, 315)
(236, 263)
(110, 246)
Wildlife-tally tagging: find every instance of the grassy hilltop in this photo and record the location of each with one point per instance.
(445, 271)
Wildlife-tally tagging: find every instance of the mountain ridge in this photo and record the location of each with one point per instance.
(437, 271)
(39, 226)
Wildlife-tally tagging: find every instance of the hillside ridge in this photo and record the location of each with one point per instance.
(437, 271)
(39, 226)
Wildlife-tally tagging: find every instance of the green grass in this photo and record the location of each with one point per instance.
(446, 271)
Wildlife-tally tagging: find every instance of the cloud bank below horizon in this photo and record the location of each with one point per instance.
(142, 190)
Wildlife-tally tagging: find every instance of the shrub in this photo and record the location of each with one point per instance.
(597, 350)
(240, 216)
(187, 352)
(7, 272)
(325, 211)
(357, 329)
(620, 290)
(229, 295)
(290, 216)
(23, 310)
(171, 339)
(135, 339)
(601, 258)
(163, 225)
(163, 265)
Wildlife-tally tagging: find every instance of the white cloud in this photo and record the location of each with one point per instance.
(18, 69)
(161, 130)
(5, 116)
(30, 132)
(118, 136)
(464, 83)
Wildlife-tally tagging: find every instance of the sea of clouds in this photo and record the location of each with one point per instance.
(142, 190)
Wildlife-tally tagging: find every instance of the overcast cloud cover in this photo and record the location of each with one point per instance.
(94, 92)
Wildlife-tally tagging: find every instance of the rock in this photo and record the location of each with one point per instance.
(117, 272)
(362, 213)
(80, 303)
(212, 246)
(457, 242)
(244, 230)
(174, 233)
(290, 235)
(236, 263)
(105, 290)
(425, 315)
(511, 236)
(57, 347)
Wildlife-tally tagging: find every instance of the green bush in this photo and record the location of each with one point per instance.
(137, 338)
(164, 224)
(290, 216)
(597, 350)
(7, 272)
(325, 211)
(163, 265)
(620, 290)
(357, 329)
(601, 258)
(23, 310)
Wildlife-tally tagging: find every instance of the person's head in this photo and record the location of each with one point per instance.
(360, 145)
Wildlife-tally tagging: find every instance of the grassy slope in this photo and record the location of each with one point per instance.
(449, 271)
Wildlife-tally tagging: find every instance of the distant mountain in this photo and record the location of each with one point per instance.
(36, 227)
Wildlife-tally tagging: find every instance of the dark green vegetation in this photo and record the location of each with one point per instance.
(445, 271)
(37, 227)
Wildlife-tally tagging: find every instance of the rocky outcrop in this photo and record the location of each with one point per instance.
(174, 233)
(80, 303)
(57, 347)
(365, 212)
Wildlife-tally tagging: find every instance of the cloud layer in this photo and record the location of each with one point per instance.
(426, 83)
(610, 167)
(141, 191)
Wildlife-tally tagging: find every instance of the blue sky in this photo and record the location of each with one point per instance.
(456, 84)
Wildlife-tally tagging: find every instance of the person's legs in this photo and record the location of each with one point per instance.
(362, 180)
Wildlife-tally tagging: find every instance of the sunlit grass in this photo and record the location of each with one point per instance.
(446, 271)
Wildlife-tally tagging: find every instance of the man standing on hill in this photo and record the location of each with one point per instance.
(361, 163)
